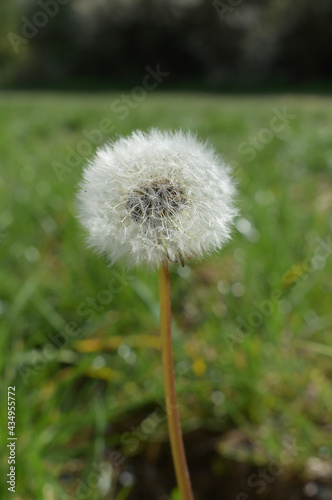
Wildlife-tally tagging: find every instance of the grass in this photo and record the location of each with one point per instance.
(80, 341)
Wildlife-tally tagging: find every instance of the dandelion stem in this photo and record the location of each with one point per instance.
(174, 429)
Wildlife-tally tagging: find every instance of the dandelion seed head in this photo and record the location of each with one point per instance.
(155, 202)
(156, 196)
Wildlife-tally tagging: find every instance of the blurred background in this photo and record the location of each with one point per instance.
(215, 42)
(79, 340)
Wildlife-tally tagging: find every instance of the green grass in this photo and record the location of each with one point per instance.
(75, 410)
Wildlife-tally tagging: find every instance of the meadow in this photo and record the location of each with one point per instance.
(252, 324)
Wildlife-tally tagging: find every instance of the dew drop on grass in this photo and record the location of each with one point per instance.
(31, 254)
(223, 287)
(99, 362)
(217, 397)
(126, 478)
(238, 289)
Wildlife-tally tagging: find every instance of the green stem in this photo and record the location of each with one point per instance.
(179, 458)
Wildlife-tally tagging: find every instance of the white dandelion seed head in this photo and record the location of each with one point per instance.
(155, 197)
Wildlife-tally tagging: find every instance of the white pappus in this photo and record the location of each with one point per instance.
(158, 196)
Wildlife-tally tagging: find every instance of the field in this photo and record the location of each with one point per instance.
(252, 325)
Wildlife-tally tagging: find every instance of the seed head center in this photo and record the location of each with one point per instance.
(155, 202)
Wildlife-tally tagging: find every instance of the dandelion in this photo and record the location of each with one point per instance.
(151, 199)
(156, 197)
